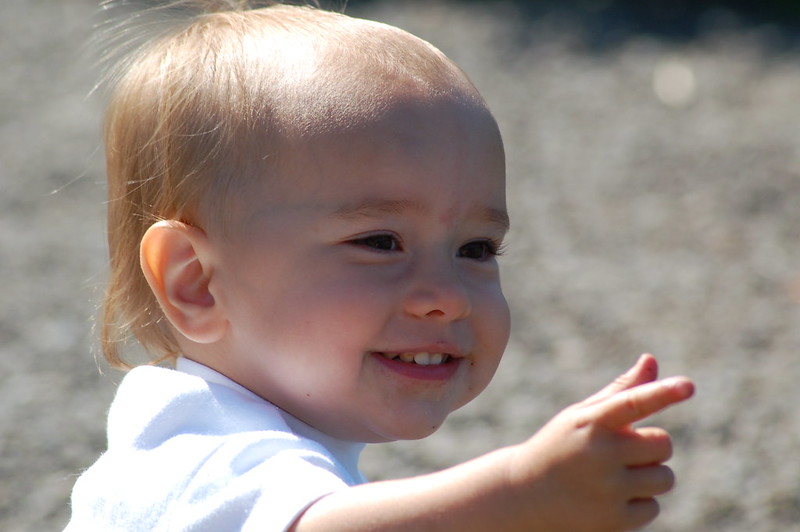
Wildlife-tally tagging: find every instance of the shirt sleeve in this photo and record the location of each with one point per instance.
(230, 492)
(187, 456)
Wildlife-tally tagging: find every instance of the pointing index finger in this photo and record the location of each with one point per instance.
(632, 405)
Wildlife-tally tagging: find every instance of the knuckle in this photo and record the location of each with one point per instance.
(633, 404)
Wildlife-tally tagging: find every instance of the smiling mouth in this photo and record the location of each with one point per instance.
(421, 359)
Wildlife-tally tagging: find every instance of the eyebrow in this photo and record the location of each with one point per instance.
(373, 208)
(497, 216)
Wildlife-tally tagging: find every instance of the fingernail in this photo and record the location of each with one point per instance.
(681, 384)
(653, 362)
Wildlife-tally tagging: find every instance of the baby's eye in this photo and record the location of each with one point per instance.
(380, 242)
(479, 250)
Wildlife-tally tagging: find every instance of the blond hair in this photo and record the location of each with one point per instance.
(201, 109)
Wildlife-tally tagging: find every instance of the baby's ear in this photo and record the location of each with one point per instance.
(177, 263)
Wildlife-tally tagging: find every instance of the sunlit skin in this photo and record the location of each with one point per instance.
(381, 240)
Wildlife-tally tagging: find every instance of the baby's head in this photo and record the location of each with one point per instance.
(317, 202)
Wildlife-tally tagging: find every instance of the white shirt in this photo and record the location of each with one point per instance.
(192, 450)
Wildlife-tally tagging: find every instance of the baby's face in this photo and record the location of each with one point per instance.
(362, 288)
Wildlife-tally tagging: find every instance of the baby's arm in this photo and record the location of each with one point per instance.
(587, 470)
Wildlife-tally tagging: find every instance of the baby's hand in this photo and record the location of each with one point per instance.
(589, 469)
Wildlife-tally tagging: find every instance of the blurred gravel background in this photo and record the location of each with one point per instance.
(655, 199)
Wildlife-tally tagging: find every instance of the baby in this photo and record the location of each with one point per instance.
(305, 215)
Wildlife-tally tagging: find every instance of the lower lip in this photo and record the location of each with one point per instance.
(433, 372)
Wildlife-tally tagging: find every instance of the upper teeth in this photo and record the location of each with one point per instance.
(423, 359)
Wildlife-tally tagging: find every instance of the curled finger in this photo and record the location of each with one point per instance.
(649, 481)
(645, 446)
(640, 512)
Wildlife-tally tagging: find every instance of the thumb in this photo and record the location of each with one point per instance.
(643, 371)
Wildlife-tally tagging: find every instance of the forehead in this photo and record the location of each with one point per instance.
(439, 173)
(427, 129)
(425, 156)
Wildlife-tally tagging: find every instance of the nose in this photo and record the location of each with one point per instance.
(436, 291)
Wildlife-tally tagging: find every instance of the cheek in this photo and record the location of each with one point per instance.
(494, 319)
(491, 325)
(494, 332)
(328, 309)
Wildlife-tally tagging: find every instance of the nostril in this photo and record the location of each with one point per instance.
(439, 296)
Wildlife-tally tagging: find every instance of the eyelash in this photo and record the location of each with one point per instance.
(370, 241)
(491, 247)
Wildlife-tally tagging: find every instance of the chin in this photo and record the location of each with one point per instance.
(410, 431)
